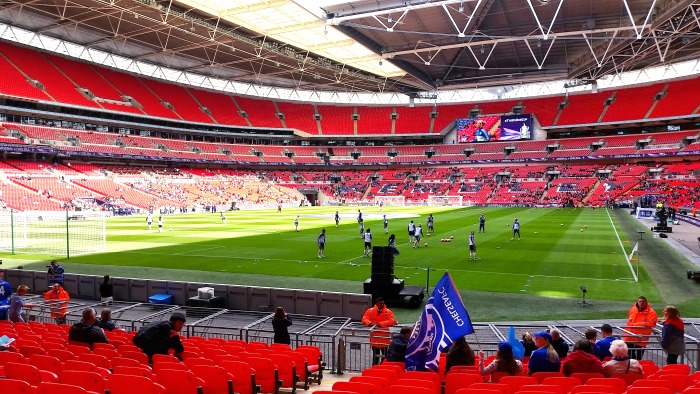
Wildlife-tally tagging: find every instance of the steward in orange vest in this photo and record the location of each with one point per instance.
(57, 300)
(379, 318)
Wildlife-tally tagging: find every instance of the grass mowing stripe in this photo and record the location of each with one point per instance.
(624, 253)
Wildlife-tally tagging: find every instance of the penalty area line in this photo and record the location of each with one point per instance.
(624, 253)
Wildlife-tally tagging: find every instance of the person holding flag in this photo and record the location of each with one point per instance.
(379, 318)
(444, 320)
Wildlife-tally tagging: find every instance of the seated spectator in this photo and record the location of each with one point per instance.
(582, 359)
(621, 362)
(106, 322)
(545, 358)
(558, 343)
(87, 331)
(602, 347)
(528, 344)
(460, 353)
(398, 345)
(504, 361)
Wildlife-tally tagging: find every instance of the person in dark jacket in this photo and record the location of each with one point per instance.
(398, 345)
(460, 354)
(528, 344)
(106, 322)
(673, 334)
(280, 324)
(161, 336)
(106, 290)
(560, 346)
(87, 331)
(582, 359)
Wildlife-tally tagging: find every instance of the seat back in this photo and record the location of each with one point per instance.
(243, 376)
(455, 381)
(10, 357)
(140, 370)
(584, 376)
(497, 387)
(90, 381)
(540, 376)
(566, 383)
(516, 382)
(178, 382)
(617, 385)
(129, 384)
(356, 387)
(47, 363)
(649, 390)
(15, 386)
(216, 379)
(400, 389)
(266, 374)
(59, 388)
(25, 372)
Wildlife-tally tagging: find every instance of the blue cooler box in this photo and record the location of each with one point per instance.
(161, 299)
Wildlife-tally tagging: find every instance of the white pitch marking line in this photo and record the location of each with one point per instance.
(624, 253)
(198, 250)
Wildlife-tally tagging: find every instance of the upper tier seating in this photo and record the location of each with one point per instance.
(221, 106)
(261, 113)
(374, 120)
(14, 83)
(680, 99)
(35, 65)
(632, 103)
(583, 108)
(336, 120)
(185, 105)
(447, 113)
(299, 116)
(87, 78)
(413, 120)
(17, 197)
(545, 108)
(130, 85)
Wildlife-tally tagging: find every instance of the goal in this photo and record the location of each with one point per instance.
(390, 201)
(67, 233)
(445, 201)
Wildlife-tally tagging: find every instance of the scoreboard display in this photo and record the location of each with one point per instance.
(494, 128)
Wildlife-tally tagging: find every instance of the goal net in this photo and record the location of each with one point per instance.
(390, 201)
(67, 233)
(445, 201)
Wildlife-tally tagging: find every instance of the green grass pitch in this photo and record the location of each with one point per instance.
(550, 263)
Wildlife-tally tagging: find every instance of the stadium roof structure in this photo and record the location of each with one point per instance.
(414, 47)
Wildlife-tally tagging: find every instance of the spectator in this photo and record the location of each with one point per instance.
(560, 346)
(106, 322)
(55, 273)
(460, 353)
(161, 337)
(379, 318)
(280, 324)
(545, 358)
(17, 304)
(528, 344)
(673, 334)
(641, 320)
(621, 362)
(57, 299)
(398, 345)
(582, 359)
(106, 291)
(5, 294)
(602, 347)
(87, 331)
(504, 361)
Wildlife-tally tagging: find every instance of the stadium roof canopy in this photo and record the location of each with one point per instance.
(415, 47)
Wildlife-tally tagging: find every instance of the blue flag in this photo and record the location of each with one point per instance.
(518, 348)
(444, 320)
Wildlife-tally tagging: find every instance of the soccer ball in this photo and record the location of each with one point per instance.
(585, 226)
(425, 244)
(581, 230)
(562, 224)
(170, 230)
(452, 236)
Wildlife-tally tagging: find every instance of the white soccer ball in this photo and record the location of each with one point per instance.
(170, 230)
(562, 224)
(581, 230)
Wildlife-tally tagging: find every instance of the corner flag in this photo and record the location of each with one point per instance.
(443, 320)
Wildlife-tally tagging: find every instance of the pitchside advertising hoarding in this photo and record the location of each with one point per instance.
(494, 128)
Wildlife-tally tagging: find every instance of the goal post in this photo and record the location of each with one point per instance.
(445, 201)
(67, 233)
(390, 201)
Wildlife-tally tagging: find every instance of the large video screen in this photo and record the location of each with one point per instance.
(494, 128)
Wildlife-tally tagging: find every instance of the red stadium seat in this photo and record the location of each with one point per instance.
(216, 379)
(356, 387)
(15, 386)
(243, 376)
(128, 384)
(455, 381)
(497, 387)
(28, 373)
(47, 363)
(90, 381)
(617, 385)
(566, 383)
(266, 374)
(60, 388)
(584, 376)
(179, 382)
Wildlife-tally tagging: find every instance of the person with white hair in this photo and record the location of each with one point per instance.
(621, 362)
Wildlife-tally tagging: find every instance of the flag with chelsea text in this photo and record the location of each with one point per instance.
(443, 321)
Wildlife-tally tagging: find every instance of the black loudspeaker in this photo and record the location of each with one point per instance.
(382, 260)
(662, 235)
